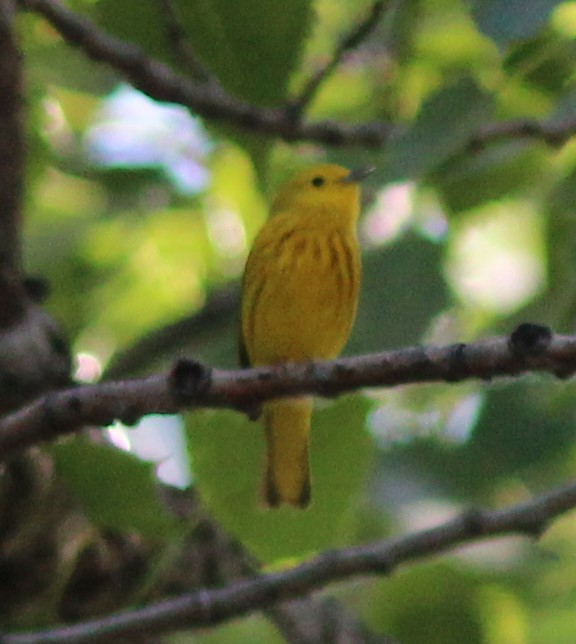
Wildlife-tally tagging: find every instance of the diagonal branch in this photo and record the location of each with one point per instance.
(161, 83)
(212, 558)
(352, 40)
(209, 607)
(530, 348)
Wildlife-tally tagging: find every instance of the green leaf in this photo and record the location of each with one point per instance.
(443, 127)
(57, 65)
(115, 489)
(52, 62)
(562, 198)
(402, 290)
(251, 46)
(545, 61)
(522, 430)
(522, 425)
(556, 306)
(401, 605)
(506, 20)
(227, 454)
(565, 109)
(254, 629)
(500, 170)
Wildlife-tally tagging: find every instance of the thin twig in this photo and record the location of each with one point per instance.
(178, 41)
(351, 41)
(210, 607)
(189, 384)
(553, 133)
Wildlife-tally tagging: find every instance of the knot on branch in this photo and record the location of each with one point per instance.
(473, 522)
(456, 363)
(61, 412)
(529, 340)
(188, 379)
(535, 527)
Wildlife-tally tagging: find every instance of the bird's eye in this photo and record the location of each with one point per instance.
(318, 181)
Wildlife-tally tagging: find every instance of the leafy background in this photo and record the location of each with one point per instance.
(138, 213)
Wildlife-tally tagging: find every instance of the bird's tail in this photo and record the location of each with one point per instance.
(287, 475)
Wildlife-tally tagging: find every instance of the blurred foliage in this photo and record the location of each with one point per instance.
(253, 630)
(137, 212)
(227, 453)
(96, 473)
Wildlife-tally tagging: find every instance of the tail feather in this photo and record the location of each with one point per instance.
(287, 475)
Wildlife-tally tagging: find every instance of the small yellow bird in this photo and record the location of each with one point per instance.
(299, 300)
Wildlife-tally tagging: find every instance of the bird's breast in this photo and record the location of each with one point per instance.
(304, 296)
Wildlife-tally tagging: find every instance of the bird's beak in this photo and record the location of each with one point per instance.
(358, 174)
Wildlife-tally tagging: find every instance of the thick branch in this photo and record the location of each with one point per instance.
(209, 607)
(530, 348)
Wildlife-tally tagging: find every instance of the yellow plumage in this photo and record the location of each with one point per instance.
(300, 293)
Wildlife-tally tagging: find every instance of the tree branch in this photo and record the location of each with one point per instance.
(552, 133)
(12, 147)
(210, 557)
(210, 607)
(161, 83)
(218, 311)
(11, 140)
(530, 348)
(30, 359)
(359, 33)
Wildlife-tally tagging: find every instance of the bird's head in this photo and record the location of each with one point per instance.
(322, 189)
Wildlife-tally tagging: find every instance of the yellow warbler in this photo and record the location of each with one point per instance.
(300, 292)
